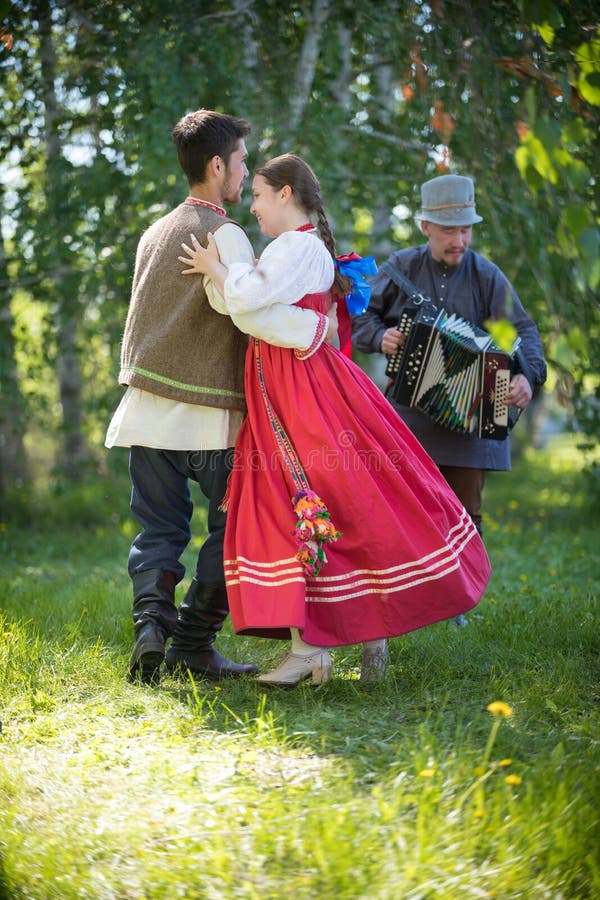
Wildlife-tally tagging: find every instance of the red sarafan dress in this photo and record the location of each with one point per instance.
(407, 554)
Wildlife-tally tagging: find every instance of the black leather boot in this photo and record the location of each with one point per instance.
(201, 615)
(154, 618)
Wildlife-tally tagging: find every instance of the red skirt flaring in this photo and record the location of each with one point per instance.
(408, 554)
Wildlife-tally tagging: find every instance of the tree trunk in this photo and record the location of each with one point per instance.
(13, 463)
(64, 294)
(307, 63)
(247, 18)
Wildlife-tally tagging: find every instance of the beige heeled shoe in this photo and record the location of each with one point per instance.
(374, 662)
(295, 668)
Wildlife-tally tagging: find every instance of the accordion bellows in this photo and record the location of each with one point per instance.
(453, 372)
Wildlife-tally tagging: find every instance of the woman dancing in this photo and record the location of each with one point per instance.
(340, 528)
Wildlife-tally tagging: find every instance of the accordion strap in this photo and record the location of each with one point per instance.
(406, 284)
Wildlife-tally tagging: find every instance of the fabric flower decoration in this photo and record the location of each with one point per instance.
(314, 528)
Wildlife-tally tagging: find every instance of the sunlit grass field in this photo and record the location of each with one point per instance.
(472, 771)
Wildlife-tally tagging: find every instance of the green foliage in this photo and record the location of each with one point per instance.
(409, 788)
(560, 152)
(587, 58)
(377, 97)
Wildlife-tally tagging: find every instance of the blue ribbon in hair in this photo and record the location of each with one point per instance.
(355, 268)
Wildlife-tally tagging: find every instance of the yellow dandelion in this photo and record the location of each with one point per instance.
(505, 762)
(498, 708)
(513, 779)
(479, 814)
(426, 773)
(479, 770)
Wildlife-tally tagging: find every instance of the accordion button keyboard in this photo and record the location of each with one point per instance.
(500, 392)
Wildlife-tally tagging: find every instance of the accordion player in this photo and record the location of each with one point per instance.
(453, 371)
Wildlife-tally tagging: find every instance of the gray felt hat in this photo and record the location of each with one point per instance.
(448, 200)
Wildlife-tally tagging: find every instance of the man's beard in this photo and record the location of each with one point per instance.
(227, 191)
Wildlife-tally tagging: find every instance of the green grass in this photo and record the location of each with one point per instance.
(113, 790)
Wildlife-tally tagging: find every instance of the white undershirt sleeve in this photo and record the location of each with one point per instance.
(294, 264)
(279, 324)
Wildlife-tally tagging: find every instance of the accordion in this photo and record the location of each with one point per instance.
(453, 372)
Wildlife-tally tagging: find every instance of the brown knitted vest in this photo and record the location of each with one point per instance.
(175, 345)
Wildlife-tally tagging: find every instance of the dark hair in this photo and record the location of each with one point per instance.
(291, 170)
(202, 134)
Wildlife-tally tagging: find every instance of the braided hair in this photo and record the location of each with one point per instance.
(291, 170)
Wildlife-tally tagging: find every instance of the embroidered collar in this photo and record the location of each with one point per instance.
(308, 227)
(194, 201)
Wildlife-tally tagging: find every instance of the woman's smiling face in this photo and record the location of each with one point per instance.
(267, 206)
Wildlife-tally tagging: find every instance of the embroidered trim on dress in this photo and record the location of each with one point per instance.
(432, 567)
(318, 339)
(314, 527)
